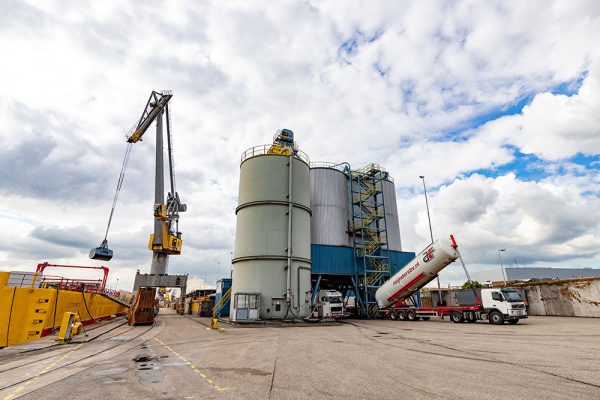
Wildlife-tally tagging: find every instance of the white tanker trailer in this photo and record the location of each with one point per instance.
(493, 304)
(417, 273)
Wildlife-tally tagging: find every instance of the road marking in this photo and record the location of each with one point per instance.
(194, 368)
(42, 372)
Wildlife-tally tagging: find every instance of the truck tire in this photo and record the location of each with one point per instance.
(401, 316)
(496, 318)
(457, 317)
(470, 317)
(513, 321)
(411, 316)
(393, 315)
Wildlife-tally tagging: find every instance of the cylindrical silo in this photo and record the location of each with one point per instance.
(330, 205)
(272, 243)
(391, 215)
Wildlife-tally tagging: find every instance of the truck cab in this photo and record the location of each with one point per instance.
(503, 304)
(330, 304)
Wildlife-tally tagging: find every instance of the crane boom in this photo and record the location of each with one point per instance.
(154, 107)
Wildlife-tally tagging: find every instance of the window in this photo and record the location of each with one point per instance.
(241, 301)
(512, 296)
(252, 303)
(497, 296)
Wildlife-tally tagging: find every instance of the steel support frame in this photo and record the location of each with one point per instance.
(369, 230)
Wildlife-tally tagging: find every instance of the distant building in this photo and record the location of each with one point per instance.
(526, 274)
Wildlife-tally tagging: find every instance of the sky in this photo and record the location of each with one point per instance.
(496, 103)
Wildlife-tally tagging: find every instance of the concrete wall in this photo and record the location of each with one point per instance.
(575, 299)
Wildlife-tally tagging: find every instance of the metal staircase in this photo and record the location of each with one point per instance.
(369, 231)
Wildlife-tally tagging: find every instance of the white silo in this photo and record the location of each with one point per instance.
(271, 264)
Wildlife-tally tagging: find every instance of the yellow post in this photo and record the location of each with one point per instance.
(35, 274)
(213, 323)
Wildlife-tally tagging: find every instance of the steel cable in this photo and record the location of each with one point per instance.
(119, 185)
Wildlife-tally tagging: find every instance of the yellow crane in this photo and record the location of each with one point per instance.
(166, 239)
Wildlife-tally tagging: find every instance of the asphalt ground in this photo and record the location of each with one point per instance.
(178, 358)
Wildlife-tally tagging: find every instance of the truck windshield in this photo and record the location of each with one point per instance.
(335, 300)
(512, 296)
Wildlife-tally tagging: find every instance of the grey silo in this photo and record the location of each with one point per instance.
(261, 243)
(329, 199)
(391, 216)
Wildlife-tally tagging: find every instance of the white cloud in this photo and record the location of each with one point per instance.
(548, 221)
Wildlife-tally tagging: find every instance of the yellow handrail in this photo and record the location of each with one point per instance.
(221, 302)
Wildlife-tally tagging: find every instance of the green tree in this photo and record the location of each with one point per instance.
(472, 284)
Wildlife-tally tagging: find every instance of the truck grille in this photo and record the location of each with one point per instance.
(518, 306)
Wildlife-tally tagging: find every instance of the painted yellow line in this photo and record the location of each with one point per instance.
(45, 370)
(195, 368)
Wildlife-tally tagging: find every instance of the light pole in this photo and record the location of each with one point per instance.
(502, 265)
(431, 233)
(218, 268)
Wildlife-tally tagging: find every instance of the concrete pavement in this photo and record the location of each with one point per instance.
(542, 358)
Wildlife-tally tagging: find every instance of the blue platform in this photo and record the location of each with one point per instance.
(338, 260)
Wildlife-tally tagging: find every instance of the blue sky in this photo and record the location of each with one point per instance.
(496, 104)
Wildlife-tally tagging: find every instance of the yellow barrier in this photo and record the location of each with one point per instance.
(29, 313)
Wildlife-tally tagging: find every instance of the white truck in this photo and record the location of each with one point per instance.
(493, 304)
(330, 304)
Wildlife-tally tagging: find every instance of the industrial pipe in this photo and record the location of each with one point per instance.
(289, 234)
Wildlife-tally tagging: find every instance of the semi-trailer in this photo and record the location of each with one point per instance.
(395, 296)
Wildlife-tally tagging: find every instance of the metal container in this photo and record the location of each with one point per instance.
(330, 204)
(260, 263)
(391, 216)
(417, 273)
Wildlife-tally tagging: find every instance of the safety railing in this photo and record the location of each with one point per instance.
(219, 306)
(268, 149)
(38, 280)
(342, 167)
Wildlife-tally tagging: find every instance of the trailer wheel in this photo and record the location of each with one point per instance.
(457, 317)
(411, 316)
(513, 321)
(496, 318)
(425, 318)
(401, 316)
(393, 315)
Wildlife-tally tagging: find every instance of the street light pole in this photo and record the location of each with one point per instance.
(218, 268)
(502, 265)
(431, 234)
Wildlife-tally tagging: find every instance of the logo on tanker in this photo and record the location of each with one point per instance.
(428, 254)
(406, 273)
